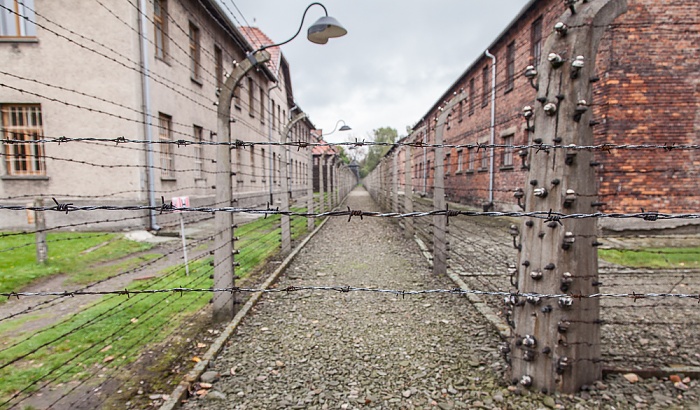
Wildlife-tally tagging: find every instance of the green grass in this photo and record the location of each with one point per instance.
(109, 321)
(67, 255)
(653, 257)
(109, 333)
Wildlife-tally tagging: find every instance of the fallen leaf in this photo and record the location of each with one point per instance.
(196, 359)
(202, 392)
(108, 359)
(201, 345)
(206, 385)
(104, 349)
(631, 377)
(680, 386)
(674, 378)
(134, 320)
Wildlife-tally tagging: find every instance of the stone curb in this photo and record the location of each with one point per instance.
(181, 390)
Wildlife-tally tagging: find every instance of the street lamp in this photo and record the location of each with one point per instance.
(319, 32)
(344, 127)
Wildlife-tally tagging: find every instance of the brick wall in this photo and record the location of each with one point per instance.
(649, 73)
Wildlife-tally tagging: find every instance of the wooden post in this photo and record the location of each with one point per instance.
(439, 204)
(556, 342)
(42, 250)
(285, 223)
(224, 306)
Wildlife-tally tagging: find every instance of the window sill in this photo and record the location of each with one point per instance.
(163, 60)
(196, 81)
(19, 40)
(168, 179)
(506, 168)
(482, 170)
(509, 89)
(459, 172)
(470, 172)
(25, 178)
(237, 106)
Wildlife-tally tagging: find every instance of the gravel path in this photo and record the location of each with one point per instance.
(323, 350)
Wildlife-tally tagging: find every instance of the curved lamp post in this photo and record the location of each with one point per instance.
(319, 32)
(344, 127)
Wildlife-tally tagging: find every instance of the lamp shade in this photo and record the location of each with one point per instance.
(324, 28)
(345, 128)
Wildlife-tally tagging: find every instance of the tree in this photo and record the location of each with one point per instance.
(376, 152)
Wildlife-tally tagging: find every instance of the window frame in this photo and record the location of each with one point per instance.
(23, 160)
(536, 41)
(165, 137)
(510, 67)
(195, 53)
(198, 136)
(472, 96)
(251, 97)
(160, 28)
(486, 89)
(22, 19)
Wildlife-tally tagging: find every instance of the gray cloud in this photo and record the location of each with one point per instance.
(396, 60)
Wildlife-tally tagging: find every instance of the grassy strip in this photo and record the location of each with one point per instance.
(113, 341)
(69, 253)
(125, 327)
(653, 257)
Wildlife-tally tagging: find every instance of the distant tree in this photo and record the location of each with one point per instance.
(376, 152)
(343, 155)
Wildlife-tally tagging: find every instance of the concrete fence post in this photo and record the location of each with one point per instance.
(556, 341)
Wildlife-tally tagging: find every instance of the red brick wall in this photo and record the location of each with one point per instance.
(647, 94)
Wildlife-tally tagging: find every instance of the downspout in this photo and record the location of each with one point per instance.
(146, 101)
(272, 109)
(493, 126)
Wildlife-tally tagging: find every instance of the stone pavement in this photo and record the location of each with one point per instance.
(330, 350)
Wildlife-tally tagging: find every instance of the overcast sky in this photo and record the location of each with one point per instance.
(395, 62)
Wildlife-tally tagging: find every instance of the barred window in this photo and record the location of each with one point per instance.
(167, 158)
(17, 18)
(510, 66)
(536, 41)
(23, 122)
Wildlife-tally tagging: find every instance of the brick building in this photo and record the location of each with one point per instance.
(647, 93)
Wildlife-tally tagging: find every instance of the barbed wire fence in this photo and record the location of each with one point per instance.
(487, 264)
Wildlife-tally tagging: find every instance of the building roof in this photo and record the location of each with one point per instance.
(323, 149)
(257, 38)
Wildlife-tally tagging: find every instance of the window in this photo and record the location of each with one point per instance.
(536, 41)
(448, 164)
(484, 159)
(219, 62)
(472, 96)
(237, 95)
(251, 97)
(198, 153)
(17, 18)
(510, 66)
(264, 170)
(252, 163)
(160, 22)
(23, 122)
(507, 152)
(460, 161)
(273, 115)
(165, 136)
(195, 66)
(262, 105)
(472, 160)
(461, 111)
(486, 90)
